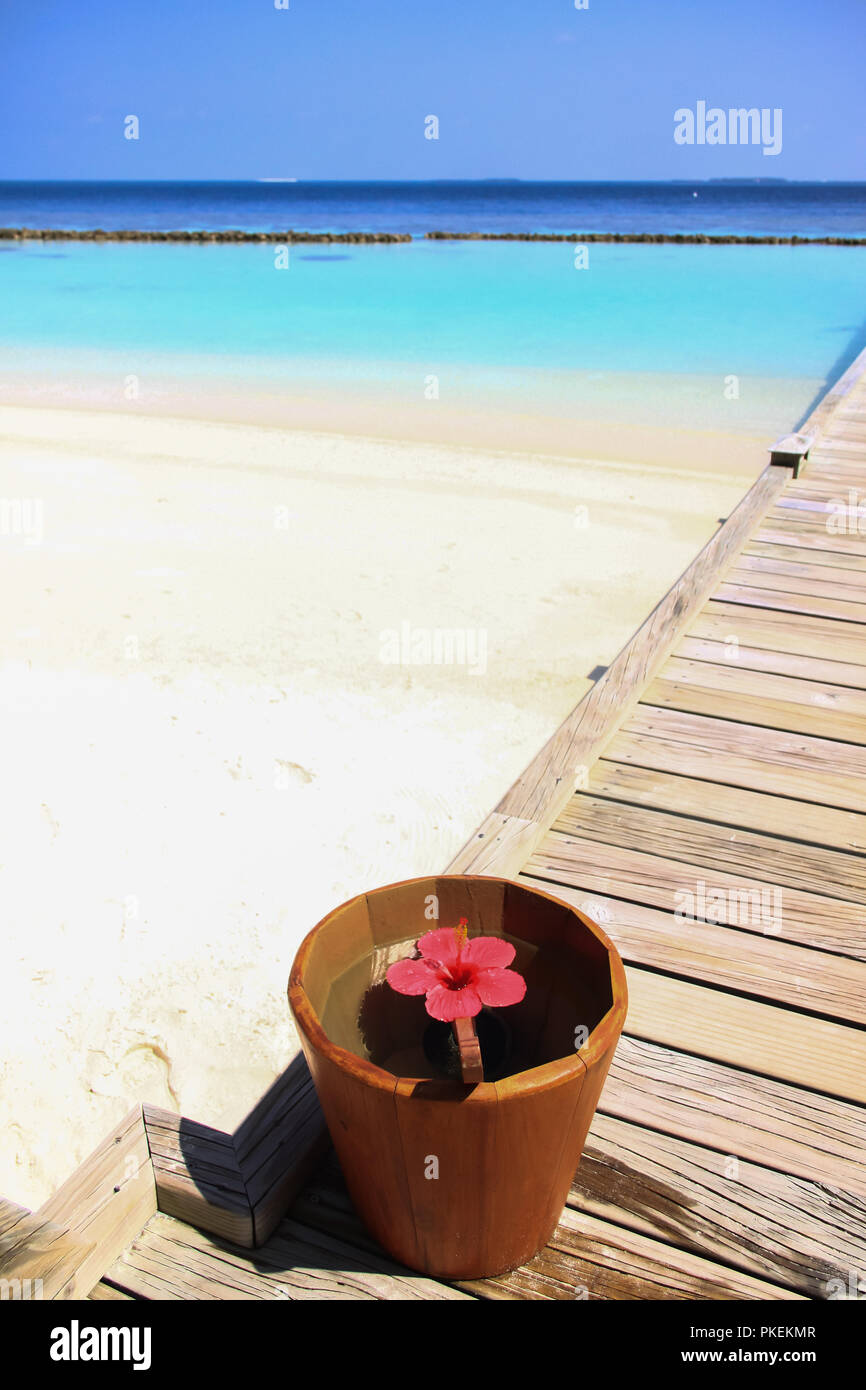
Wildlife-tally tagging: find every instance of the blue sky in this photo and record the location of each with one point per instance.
(341, 88)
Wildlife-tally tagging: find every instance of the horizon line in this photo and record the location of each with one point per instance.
(285, 179)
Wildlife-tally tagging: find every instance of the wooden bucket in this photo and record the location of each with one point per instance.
(458, 1181)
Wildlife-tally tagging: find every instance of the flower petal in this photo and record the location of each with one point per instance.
(412, 976)
(448, 1004)
(488, 951)
(500, 987)
(440, 945)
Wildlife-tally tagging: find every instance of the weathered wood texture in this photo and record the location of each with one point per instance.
(279, 1144)
(38, 1258)
(105, 1292)
(197, 1176)
(768, 1224)
(170, 1259)
(739, 1112)
(106, 1201)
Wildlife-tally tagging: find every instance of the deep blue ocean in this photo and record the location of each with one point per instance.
(757, 209)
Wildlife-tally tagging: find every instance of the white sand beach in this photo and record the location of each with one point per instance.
(204, 749)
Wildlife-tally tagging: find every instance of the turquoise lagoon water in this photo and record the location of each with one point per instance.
(367, 310)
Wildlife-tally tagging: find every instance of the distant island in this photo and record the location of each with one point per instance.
(750, 182)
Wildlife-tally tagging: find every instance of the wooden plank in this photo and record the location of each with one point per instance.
(238, 1187)
(197, 1176)
(848, 429)
(714, 845)
(820, 421)
(499, 846)
(841, 522)
(594, 1260)
(852, 410)
(172, 1260)
(612, 1262)
(843, 469)
(745, 905)
(787, 1230)
(758, 697)
(816, 604)
(800, 821)
(539, 794)
(739, 1113)
(107, 1200)
(845, 420)
(279, 1144)
(836, 542)
(839, 474)
(767, 760)
(793, 664)
(851, 454)
(103, 1292)
(815, 488)
(838, 438)
(11, 1214)
(799, 579)
(767, 968)
(799, 555)
(813, 484)
(38, 1259)
(839, 446)
(839, 511)
(778, 1043)
(794, 633)
(792, 533)
(821, 506)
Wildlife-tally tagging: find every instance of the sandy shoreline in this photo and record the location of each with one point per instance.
(206, 748)
(685, 423)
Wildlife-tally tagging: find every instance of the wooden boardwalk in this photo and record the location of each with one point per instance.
(706, 802)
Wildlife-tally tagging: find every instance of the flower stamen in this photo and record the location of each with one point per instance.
(461, 932)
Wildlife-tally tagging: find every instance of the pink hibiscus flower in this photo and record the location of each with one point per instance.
(459, 975)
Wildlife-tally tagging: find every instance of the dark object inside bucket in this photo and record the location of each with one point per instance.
(494, 1037)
